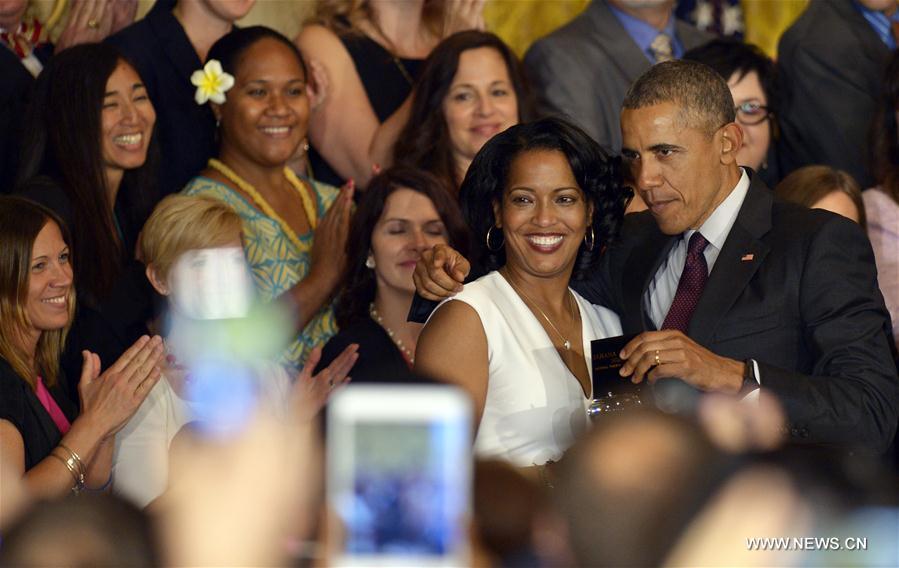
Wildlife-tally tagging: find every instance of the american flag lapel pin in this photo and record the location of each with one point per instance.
(747, 257)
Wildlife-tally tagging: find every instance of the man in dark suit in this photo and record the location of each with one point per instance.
(583, 69)
(747, 291)
(832, 62)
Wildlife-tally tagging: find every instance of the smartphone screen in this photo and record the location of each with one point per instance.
(399, 475)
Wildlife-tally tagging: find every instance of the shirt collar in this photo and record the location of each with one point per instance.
(643, 33)
(718, 225)
(880, 22)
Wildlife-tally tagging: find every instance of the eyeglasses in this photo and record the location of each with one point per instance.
(750, 113)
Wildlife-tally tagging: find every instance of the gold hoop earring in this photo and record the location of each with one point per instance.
(501, 243)
(592, 243)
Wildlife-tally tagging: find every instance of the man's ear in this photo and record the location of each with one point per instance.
(731, 138)
(158, 283)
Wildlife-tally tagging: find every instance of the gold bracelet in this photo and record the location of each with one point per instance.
(75, 465)
(74, 455)
(76, 487)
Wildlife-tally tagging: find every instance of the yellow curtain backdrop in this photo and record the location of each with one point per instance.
(518, 22)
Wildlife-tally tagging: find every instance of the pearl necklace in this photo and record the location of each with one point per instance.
(298, 185)
(407, 354)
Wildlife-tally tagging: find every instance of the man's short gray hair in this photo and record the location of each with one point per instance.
(701, 93)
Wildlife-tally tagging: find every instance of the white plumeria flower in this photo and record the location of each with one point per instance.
(212, 83)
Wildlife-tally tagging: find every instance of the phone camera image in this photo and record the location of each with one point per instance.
(399, 479)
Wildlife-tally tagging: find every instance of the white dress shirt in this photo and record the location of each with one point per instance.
(660, 293)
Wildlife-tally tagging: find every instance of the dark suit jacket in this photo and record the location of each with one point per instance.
(832, 62)
(806, 306)
(583, 70)
(20, 406)
(165, 60)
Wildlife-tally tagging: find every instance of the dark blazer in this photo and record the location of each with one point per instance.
(20, 406)
(832, 62)
(806, 306)
(160, 50)
(583, 70)
(15, 88)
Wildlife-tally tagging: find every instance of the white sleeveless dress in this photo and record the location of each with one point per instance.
(535, 406)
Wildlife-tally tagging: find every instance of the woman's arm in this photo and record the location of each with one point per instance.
(453, 348)
(344, 128)
(50, 478)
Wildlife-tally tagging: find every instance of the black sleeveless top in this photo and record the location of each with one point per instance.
(24, 410)
(385, 85)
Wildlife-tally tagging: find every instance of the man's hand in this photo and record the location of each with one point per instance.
(440, 273)
(655, 355)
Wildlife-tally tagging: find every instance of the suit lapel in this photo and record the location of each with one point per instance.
(740, 258)
(614, 40)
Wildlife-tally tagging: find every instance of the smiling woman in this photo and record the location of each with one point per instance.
(92, 134)
(471, 89)
(294, 229)
(42, 436)
(546, 199)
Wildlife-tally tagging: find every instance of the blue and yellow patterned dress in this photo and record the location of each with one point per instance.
(276, 262)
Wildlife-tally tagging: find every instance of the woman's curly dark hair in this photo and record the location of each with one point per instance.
(359, 291)
(598, 175)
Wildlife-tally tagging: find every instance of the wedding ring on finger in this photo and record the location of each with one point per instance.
(658, 359)
(331, 383)
(93, 24)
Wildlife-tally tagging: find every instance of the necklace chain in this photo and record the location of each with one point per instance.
(565, 342)
(295, 182)
(403, 70)
(407, 353)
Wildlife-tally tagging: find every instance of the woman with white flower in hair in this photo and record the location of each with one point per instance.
(294, 229)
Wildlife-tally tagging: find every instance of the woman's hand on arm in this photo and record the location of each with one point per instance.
(452, 348)
(328, 262)
(344, 128)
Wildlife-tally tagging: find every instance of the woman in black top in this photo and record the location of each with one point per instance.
(42, 435)
(91, 140)
(404, 212)
(371, 52)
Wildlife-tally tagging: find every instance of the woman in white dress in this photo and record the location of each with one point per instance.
(546, 198)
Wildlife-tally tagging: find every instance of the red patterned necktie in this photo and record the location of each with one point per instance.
(24, 38)
(689, 288)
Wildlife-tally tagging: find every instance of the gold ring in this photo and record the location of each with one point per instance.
(658, 359)
(93, 24)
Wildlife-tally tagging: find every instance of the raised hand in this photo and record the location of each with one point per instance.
(440, 273)
(312, 392)
(461, 15)
(329, 244)
(317, 84)
(89, 21)
(110, 399)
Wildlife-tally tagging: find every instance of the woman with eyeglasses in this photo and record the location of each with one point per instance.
(752, 78)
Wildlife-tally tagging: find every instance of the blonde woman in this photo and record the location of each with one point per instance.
(43, 436)
(179, 227)
(372, 52)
